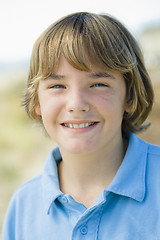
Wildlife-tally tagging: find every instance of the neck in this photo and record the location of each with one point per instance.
(88, 174)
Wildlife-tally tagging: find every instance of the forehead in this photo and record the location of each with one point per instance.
(86, 43)
(64, 66)
(66, 71)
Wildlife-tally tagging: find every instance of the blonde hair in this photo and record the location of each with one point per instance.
(101, 40)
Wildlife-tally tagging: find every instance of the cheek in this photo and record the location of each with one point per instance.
(103, 101)
(49, 108)
(110, 105)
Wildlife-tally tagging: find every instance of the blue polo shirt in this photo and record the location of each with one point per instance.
(128, 209)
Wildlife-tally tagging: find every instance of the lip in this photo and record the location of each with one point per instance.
(78, 121)
(80, 129)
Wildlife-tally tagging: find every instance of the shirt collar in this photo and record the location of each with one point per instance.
(130, 178)
(50, 182)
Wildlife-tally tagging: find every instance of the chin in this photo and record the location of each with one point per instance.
(77, 149)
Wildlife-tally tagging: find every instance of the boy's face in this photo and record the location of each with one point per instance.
(82, 111)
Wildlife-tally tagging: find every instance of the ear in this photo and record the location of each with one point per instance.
(38, 110)
(128, 105)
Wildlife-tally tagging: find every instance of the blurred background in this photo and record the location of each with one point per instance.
(23, 145)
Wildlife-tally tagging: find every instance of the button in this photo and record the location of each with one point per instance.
(84, 230)
(63, 199)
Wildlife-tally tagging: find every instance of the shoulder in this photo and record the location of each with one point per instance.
(153, 150)
(32, 183)
(141, 149)
(153, 157)
(28, 190)
(152, 164)
(26, 197)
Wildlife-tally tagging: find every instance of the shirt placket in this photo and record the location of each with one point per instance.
(87, 226)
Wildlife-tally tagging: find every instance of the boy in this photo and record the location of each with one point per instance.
(89, 87)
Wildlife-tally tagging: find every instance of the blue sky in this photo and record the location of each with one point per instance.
(22, 21)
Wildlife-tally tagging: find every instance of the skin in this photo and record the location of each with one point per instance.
(92, 154)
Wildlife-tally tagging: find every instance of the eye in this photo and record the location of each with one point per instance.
(57, 86)
(99, 85)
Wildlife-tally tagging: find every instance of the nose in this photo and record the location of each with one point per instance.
(77, 101)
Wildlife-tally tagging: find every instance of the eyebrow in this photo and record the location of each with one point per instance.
(101, 74)
(56, 77)
(92, 75)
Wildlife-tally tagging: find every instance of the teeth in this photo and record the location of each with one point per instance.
(82, 125)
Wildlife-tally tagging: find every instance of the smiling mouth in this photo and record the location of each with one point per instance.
(81, 125)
